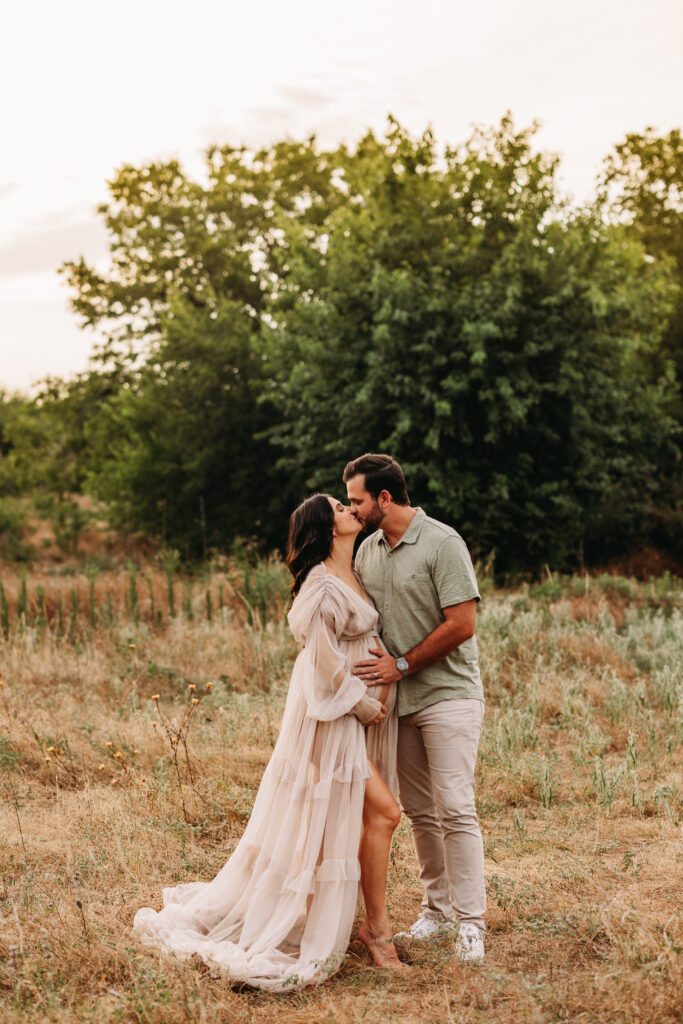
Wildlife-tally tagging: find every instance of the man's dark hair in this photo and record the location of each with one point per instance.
(382, 473)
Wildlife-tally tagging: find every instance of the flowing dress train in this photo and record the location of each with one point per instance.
(279, 914)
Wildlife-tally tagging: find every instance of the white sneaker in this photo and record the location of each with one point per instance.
(469, 945)
(429, 926)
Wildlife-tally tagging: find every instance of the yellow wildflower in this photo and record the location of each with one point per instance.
(192, 687)
(195, 701)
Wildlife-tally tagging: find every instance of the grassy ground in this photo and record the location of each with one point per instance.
(578, 793)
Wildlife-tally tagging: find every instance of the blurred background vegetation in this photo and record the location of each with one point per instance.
(521, 356)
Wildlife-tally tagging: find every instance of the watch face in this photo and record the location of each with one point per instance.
(401, 664)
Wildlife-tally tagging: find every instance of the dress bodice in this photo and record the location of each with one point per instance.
(347, 613)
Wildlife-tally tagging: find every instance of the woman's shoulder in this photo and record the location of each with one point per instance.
(310, 592)
(316, 578)
(316, 572)
(318, 595)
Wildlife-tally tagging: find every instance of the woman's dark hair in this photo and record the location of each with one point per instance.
(311, 528)
(382, 473)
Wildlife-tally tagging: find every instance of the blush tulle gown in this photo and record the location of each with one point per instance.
(279, 914)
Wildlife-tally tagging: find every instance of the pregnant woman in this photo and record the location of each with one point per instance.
(279, 914)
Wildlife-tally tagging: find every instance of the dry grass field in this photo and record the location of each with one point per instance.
(579, 798)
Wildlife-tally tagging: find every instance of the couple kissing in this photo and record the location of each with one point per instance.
(385, 702)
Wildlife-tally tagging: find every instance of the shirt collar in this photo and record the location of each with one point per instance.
(411, 534)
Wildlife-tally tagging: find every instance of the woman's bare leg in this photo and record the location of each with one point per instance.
(381, 815)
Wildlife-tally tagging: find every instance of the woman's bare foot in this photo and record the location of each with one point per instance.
(381, 949)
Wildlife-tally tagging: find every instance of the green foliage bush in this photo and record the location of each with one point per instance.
(13, 520)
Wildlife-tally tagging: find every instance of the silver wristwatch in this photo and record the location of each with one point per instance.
(402, 666)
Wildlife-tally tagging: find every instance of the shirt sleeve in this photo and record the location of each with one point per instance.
(453, 573)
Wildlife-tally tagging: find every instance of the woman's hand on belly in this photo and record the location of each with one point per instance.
(386, 694)
(379, 717)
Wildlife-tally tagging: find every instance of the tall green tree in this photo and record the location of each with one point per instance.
(455, 315)
(178, 454)
(174, 442)
(642, 187)
(209, 243)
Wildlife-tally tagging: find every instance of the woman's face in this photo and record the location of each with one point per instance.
(344, 522)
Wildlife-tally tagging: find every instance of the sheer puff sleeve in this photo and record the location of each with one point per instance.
(317, 619)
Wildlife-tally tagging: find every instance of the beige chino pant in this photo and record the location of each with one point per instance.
(437, 755)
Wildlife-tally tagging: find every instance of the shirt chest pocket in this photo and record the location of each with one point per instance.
(418, 587)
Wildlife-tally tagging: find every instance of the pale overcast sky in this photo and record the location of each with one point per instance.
(87, 87)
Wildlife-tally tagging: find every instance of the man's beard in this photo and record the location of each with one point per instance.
(374, 519)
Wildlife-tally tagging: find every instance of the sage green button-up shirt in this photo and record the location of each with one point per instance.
(428, 569)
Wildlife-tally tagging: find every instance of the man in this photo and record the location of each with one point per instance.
(420, 576)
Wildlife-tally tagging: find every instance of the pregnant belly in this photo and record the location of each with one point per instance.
(358, 649)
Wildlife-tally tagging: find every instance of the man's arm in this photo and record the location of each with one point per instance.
(458, 626)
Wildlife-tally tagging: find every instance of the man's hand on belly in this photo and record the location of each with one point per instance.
(377, 671)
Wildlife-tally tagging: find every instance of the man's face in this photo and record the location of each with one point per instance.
(363, 506)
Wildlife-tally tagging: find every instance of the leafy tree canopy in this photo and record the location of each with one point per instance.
(460, 318)
(301, 306)
(642, 185)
